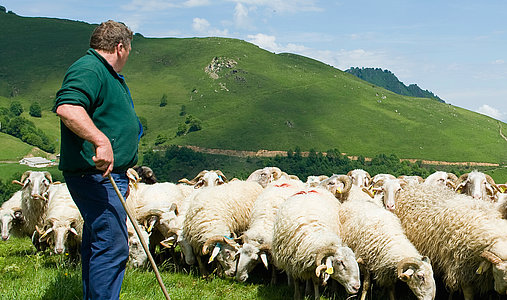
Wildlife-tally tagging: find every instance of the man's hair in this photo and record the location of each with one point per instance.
(109, 34)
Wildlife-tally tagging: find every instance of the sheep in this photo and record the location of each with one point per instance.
(381, 176)
(360, 177)
(146, 174)
(34, 201)
(11, 216)
(265, 175)
(501, 200)
(257, 239)
(376, 236)
(137, 256)
(306, 241)
(206, 178)
(214, 216)
(386, 191)
(411, 178)
(465, 239)
(442, 178)
(478, 185)
(63, 224)
(313, 181)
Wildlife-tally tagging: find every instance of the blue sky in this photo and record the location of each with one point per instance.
(456, 49)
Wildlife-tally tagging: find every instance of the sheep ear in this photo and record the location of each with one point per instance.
(426, 259)
(483, 267)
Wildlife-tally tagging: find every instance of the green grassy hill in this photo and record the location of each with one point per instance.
(254, 99)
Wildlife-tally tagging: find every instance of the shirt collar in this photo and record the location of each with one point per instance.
(92, 51)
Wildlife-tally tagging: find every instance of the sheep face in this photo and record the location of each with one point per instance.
(249, 256)
(137, 255)
(36, 183)
(419, 278)
(345, 269)
(391, 188)
(210, 178)
(227, 259)
(476, 185)
(359, 177)
(56, 234)
(6, 218)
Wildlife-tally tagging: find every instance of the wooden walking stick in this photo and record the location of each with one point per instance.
(143, 242)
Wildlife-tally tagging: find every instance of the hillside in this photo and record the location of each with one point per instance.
(389, 81)
(246, 98)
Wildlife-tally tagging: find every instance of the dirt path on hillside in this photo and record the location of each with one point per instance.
(267, 153)
(501, 134)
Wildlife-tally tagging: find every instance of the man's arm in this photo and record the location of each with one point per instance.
(77, 120)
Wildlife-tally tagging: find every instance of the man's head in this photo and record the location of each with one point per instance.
(108, 35)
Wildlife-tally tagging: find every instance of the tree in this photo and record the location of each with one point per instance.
(183, 110)
(182, 129)
(16, 108)
(195, 125)
(160, 139)
(163, 100)
(35, 110)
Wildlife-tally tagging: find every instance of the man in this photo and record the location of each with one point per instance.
(99, 136)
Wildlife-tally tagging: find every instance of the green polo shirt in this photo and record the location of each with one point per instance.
(92, 83)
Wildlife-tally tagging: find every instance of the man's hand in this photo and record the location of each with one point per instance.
(104, 158)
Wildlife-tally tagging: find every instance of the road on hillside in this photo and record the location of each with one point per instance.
(267, 153)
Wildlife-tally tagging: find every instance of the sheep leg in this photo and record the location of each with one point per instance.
(273, 275)
(468, 292)
(308, 288)
(297, 289)
(391, 293)
(202, 267)
(316, 288)
(366, 285)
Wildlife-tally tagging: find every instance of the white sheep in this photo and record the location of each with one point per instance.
(386, 190)
(442, 178)
(137, 256)
(377, 238)
(306, 241)
(478, 185)
(360, 177)
(465, 239)
(215, 216)
(381, 176)
(206, 178)
(313, 181)
(34, 201)
(257, 239)
(265, 175)
(11, 216)
(410, 179)
(63, 224)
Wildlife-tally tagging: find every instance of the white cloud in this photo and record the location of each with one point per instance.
(490, 111)
(283, 5)
(202, 26)
(196, 3)
(267, 42)
(149, 5)
(499, 62)
(241, 18)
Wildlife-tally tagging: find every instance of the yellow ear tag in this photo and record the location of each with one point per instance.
(329, 270)
(339, 190)
(150, 228)
(503, 189)
(479, 270)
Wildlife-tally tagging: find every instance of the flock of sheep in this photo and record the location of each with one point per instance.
(340, 228)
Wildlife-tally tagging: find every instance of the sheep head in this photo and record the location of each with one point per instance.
(249, 255)
(340, 264)
(339, 185)
(418, 274)
(224, 251)
(496, 258)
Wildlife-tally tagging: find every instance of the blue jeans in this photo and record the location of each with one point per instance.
(104, 249)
